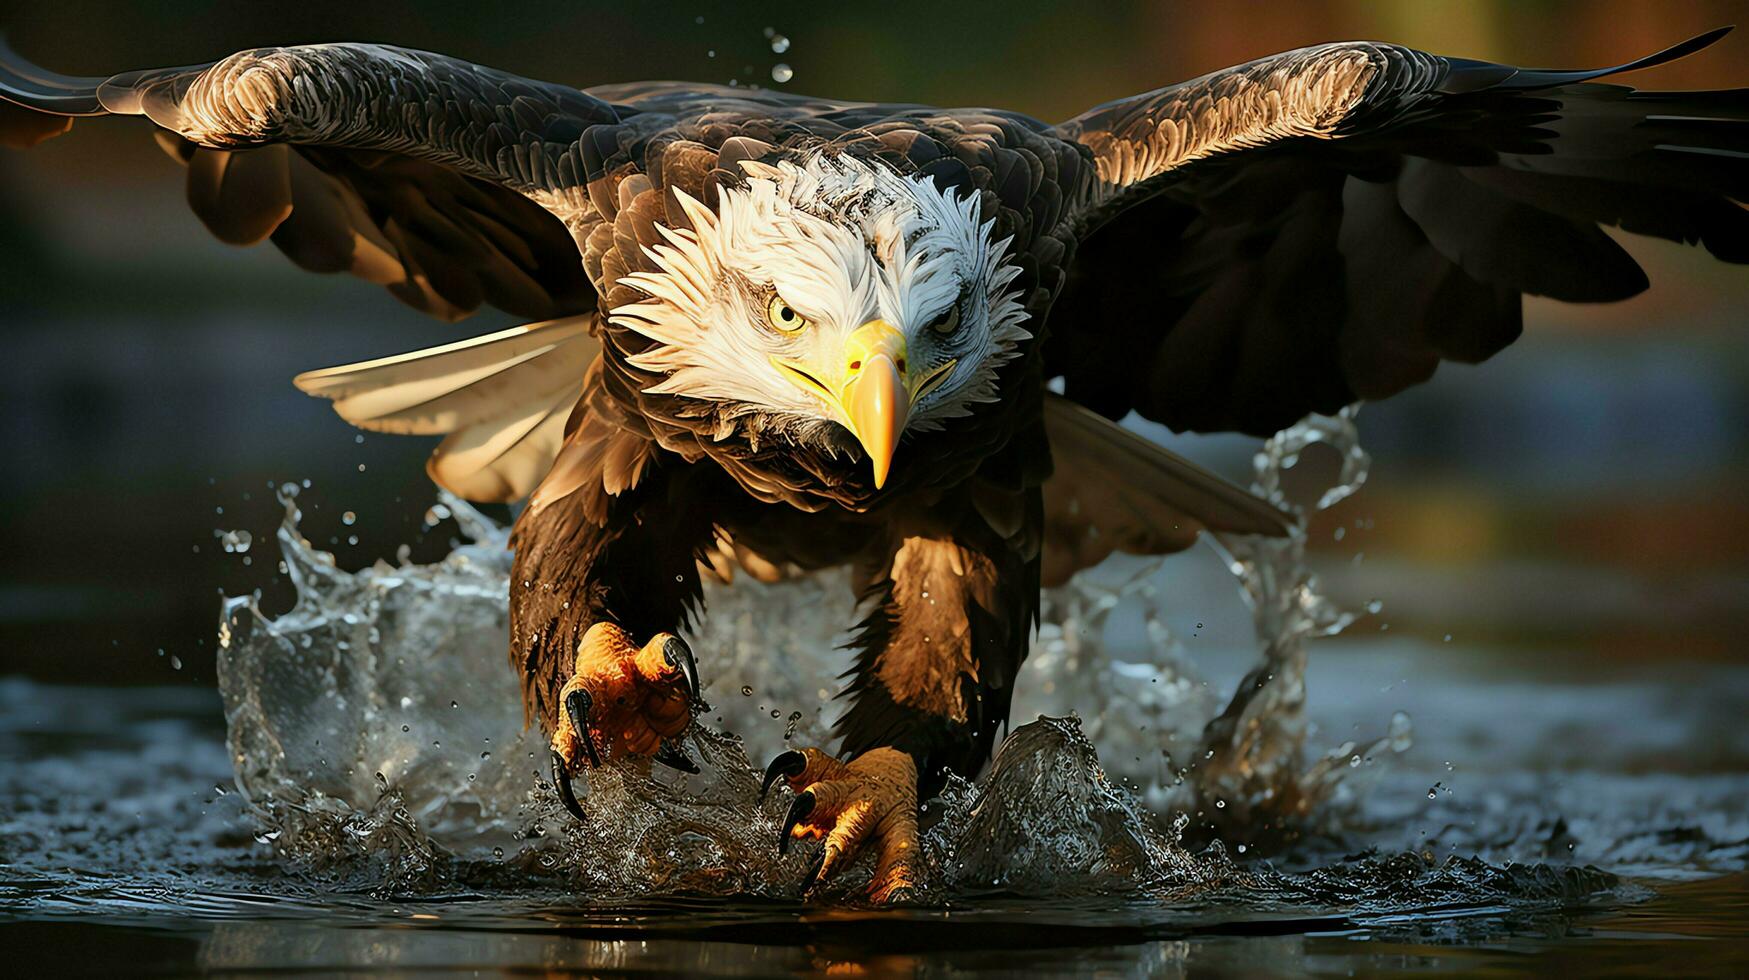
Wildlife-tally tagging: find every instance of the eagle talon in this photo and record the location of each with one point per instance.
(578, 705)
(871, 800)
(812, 878)
(798, 811)
(626, 700)
(788, 765)
(674, 757)
(562, 780)
(679, 656)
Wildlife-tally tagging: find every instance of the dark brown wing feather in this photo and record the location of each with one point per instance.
(1327, 225)
(1114, 490)
(446, 182)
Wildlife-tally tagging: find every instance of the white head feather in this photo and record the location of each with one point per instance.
(842, 241)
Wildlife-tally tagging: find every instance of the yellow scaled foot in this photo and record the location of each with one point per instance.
(623, 699)
(870, 799)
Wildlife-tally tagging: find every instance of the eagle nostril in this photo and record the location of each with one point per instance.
(901, 364)
(856, 365)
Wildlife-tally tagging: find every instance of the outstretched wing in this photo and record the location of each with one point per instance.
(1326, 225)
(449, 183)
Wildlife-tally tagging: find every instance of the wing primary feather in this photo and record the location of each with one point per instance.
(37, 88)
(1534, 78)
(1219, 505)
(479, 386)
(502, 399)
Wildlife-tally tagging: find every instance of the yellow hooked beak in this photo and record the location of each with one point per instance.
(875, 390)
(874, 396)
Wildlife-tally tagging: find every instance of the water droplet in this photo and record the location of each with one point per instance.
(746, 690)
(1402, 732)
(1220, 804)
(795, 722)
(406, 728)
(175, 662)
(781, 73)
(498, 852)
(352, 539)
(349, 518)
(779, 44)
(435, 514)
(219, 789)
(454, 704)
(236, 542)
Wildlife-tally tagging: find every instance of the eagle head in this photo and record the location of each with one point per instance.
(829, 292)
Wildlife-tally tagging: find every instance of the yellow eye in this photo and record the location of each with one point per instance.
(948, 321)
(783, 316)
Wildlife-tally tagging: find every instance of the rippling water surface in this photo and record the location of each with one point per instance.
(360, 795)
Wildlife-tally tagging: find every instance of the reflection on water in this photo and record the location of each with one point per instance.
(111, 816)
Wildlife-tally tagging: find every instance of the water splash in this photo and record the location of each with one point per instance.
(361, 768)
(352, 748)
(1252, 776)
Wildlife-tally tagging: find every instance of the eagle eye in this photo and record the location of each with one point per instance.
(948, 321)
(782, 316)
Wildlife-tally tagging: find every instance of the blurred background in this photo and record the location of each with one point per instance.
(1583, 492)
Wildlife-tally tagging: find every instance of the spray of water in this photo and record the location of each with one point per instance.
(1251, 776)
(377, 732)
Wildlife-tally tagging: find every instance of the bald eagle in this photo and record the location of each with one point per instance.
(773, 334)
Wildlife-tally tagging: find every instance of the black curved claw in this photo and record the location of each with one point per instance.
(578, 704)
(812, 878)
(562, 780)
(798, 811)
(679, 656)
(788, 764)
(674, 757)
